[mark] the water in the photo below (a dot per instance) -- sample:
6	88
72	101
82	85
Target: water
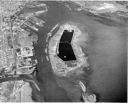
106	51
49	88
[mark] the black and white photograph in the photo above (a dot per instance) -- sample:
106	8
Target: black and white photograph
63	51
